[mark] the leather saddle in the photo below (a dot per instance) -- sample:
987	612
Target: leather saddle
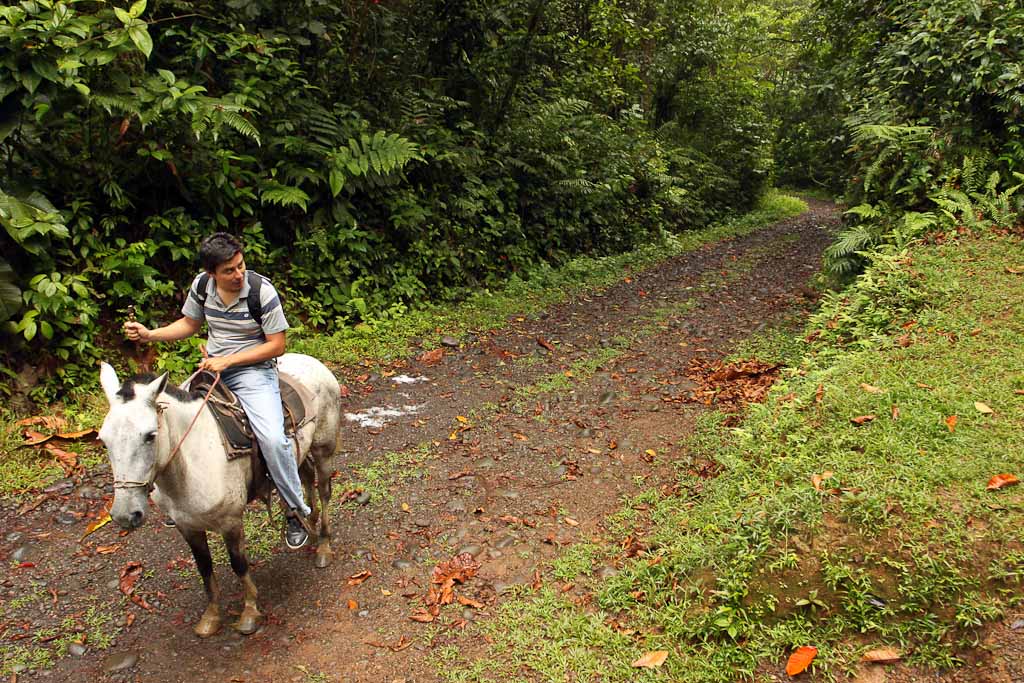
235	430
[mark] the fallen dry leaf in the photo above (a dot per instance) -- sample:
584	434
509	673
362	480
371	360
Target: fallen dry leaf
130	574
446	574
67	460
862	419
103	520
1014	271
651	660
74	436
982	408
107	549
469	602
48	421
801	659
421	615
402	643
882	655
545	343
34	438
895	412
352	604
430	357
817	479
32	504
1001	480
871	389
359	577
951	423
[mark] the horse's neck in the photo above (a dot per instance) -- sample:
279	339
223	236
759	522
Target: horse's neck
188	446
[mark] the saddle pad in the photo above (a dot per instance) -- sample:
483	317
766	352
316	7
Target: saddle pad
235	431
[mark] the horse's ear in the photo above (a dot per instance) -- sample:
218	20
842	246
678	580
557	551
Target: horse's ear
108	380
154	388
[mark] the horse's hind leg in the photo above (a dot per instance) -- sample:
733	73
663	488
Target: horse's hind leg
323	486
209	623
307	473
249	619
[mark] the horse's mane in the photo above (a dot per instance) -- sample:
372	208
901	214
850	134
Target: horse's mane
127	390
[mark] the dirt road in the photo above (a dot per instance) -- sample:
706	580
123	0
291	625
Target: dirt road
511	447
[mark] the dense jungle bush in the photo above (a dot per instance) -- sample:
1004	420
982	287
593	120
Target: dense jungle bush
373	154
926	97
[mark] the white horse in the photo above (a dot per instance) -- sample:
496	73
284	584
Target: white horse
196	485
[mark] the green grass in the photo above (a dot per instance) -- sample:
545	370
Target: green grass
903	545
380	476
94	626
577	561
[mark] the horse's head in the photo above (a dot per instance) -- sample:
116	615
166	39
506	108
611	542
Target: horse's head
130	433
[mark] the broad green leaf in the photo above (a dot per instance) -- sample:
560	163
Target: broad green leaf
337	181
138	8
31	80
125	18
10	294
140	36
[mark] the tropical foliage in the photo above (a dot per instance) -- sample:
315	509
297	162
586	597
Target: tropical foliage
926	97
372	154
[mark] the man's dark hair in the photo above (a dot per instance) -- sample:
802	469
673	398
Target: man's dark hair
216	249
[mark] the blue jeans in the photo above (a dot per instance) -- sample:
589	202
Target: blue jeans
258	392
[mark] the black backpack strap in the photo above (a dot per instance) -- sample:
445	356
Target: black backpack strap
253	301
200	293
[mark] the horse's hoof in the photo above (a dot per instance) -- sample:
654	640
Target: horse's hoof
247	624
323	558
206	627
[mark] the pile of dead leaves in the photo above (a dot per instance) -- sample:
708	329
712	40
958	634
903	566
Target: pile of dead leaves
66	460
729	387
459	569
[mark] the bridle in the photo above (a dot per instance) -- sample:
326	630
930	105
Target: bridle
148	484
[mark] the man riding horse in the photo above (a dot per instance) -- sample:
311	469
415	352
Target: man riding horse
245	339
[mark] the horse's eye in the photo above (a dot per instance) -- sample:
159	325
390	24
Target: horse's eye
150	437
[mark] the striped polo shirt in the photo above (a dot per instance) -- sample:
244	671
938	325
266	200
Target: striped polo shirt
231	328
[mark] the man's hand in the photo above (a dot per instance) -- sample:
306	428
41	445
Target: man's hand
215	363
136	331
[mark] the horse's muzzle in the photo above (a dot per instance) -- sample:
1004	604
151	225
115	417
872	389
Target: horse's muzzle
131	520
129	511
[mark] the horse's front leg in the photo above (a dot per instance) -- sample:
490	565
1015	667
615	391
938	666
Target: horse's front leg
209	623
249	619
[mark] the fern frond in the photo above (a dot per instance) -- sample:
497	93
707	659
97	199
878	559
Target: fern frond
238	123
865	211
116	103
874	132
850	241
284	195
579	186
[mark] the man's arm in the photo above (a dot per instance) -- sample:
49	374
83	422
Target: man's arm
272	348
181	328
